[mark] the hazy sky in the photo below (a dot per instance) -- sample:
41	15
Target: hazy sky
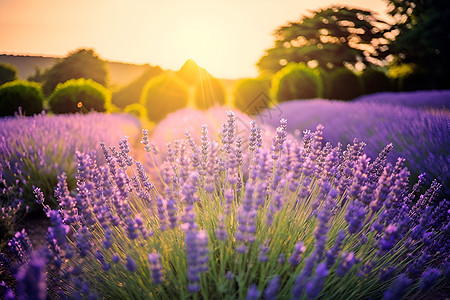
227	37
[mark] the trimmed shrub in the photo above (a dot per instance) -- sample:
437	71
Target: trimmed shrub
325	75
19	93
344	84
164	94
297	81
8	73
80	95
251	95
208	92
413	81
132	92
136	109
374	80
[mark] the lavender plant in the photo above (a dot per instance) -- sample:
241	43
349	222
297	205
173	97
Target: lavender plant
304	219
421	137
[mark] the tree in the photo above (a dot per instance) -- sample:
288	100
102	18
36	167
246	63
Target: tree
330	38
422	39
83	63
131	93
8	73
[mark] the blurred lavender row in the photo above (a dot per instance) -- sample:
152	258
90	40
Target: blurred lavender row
35	150
425	99
421	137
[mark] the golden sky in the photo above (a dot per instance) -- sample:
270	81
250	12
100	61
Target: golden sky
227	37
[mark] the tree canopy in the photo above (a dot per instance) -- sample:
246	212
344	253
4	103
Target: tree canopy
82	63
8	73
330	38
422	38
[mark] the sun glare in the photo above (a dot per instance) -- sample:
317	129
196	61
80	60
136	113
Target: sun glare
208	41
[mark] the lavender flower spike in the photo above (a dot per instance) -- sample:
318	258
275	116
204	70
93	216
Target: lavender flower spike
131	264
253	293
155	267
398	288
272	288
315	285
31	279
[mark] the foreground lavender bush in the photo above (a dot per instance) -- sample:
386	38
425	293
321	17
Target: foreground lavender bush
421	137
35	150
303	220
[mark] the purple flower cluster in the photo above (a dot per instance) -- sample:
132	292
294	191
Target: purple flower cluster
197	257
155	267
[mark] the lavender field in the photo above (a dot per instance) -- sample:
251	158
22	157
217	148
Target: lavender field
316	199
421	136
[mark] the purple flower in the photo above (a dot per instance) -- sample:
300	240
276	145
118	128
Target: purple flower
131	264
272	288
162	212
171	207
221	232
193	287
255	137
99	256
387	274
263	250
299	285
197	254
429	278
296	255
31	278
279	139
20	246
253	293
389	238
131	227
40	199
333	252
5	263
315	285
229	275
83	241
115	258
356	212
246	217
348	260
398	288
155	267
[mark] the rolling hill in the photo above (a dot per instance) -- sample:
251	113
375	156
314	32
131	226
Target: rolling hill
120	73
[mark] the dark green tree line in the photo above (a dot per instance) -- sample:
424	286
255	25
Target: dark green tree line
422	39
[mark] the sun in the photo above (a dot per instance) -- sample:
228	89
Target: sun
207	42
